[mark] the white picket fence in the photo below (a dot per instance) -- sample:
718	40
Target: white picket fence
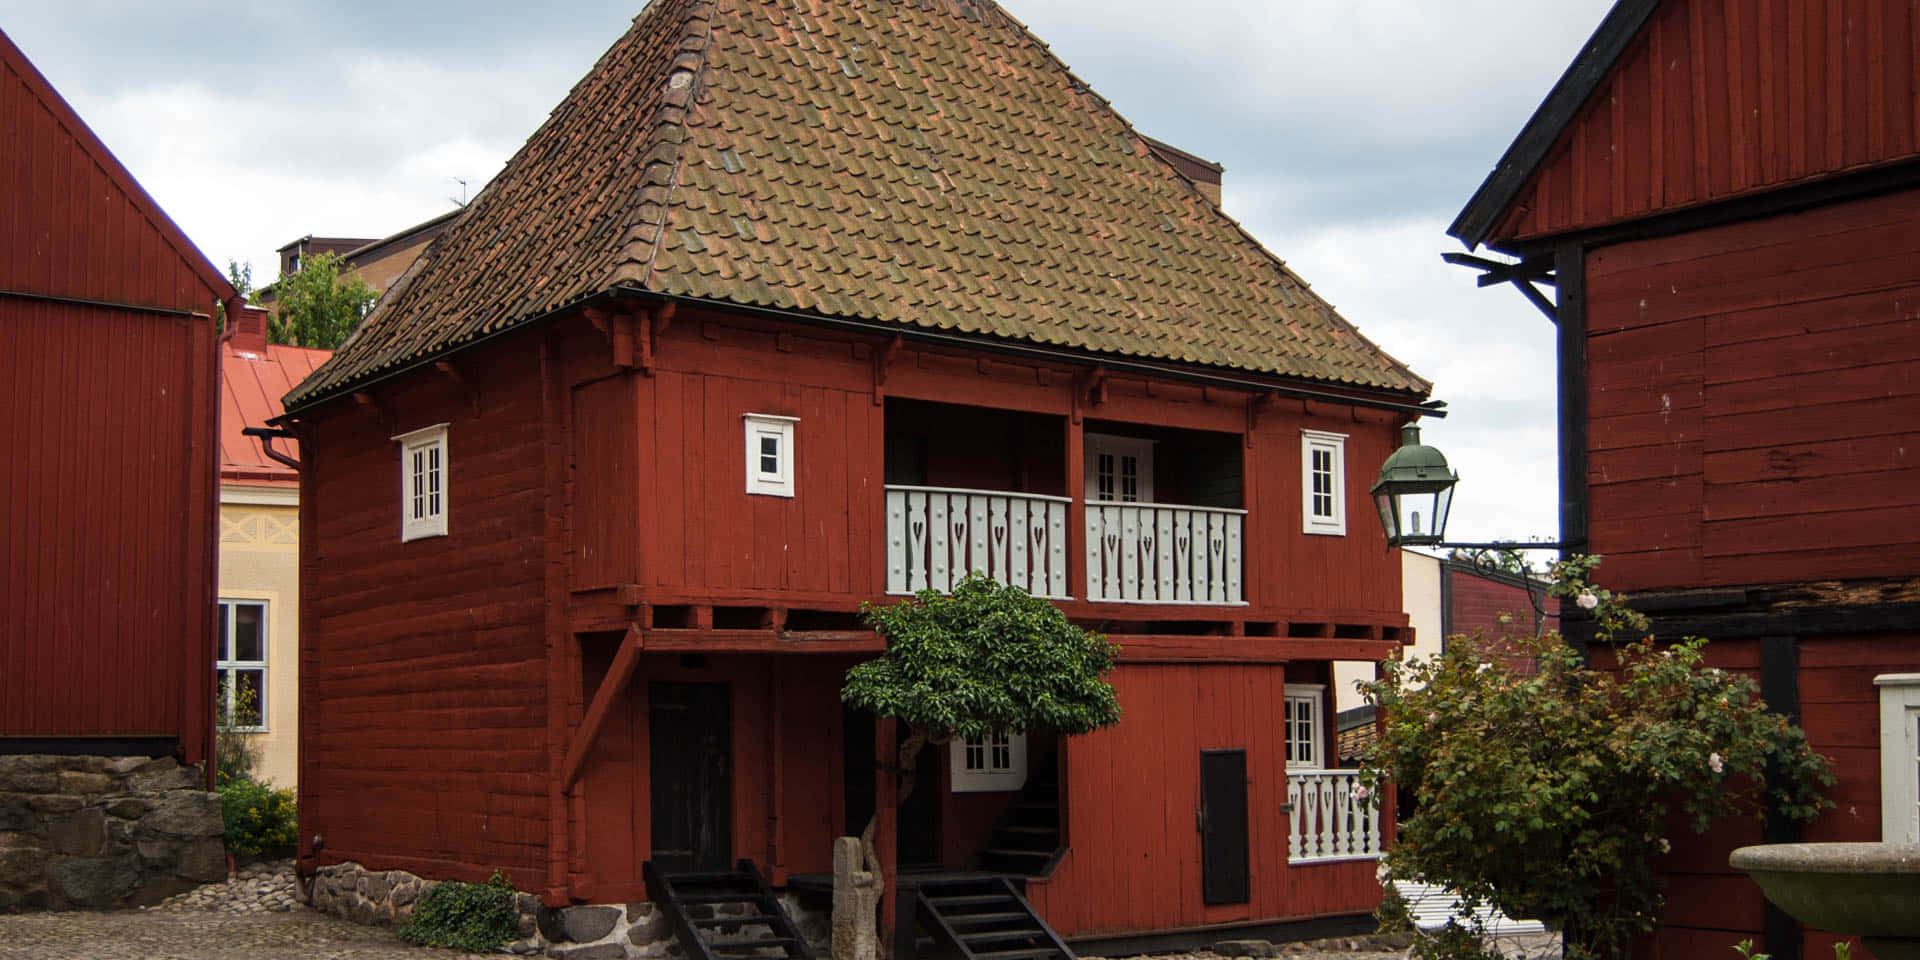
1329	819
1160	553
937	535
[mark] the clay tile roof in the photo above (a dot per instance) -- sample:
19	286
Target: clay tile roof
927	163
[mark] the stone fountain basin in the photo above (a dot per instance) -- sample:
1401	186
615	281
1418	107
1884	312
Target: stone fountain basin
1870	889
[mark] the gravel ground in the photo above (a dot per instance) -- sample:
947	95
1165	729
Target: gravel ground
255	915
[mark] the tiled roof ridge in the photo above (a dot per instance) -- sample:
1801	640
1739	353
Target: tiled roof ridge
670	134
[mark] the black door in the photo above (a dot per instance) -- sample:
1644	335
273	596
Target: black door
1224	871
690	738
919	818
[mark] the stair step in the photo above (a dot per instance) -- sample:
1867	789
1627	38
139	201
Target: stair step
736	918
970	900
756	943
707	876
1004	852
1023	952
981	919
1001	936
711	898
1035	829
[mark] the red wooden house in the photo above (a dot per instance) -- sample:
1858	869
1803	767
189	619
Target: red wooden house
789	309
107	409
1727	197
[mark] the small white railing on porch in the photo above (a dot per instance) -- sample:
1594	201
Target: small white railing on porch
937	535
1158	553
1329	819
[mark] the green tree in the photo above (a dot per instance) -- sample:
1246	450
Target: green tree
986	659
241	276
1551	794
316	307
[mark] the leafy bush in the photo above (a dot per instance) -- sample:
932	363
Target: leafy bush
234	752
1549	794
259	819
475	917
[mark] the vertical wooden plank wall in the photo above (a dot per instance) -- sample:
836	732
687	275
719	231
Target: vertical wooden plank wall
1720	98
1754	389
107	416
1134	863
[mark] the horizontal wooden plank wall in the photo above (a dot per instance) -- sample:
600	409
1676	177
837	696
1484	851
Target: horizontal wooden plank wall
1719	98
1134	862
1753	392
1709	905
425	662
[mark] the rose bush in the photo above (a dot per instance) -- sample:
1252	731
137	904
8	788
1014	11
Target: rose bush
1550	794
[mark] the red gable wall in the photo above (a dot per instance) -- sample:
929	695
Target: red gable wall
107	416
1720	98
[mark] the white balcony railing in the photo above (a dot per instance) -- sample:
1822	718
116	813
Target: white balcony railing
1329	820
936	535
1156	553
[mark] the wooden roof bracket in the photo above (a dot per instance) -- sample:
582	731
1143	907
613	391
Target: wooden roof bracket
1097	386
1523	274
1256	404
452	372
614	685
882	359
384	416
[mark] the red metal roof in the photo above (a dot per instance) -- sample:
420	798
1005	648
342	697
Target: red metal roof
253	377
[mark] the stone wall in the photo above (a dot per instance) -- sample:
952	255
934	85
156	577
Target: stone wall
631	931
98	832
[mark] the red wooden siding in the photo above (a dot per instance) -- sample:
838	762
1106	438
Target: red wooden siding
1133	792
424	663
1479	603
1719	98
1709	905
107	416
1753	392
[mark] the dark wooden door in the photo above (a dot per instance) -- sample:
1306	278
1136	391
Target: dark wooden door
690	736
1225	875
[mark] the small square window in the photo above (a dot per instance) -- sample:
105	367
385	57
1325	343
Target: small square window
770	454
1323	480
423	483
997	762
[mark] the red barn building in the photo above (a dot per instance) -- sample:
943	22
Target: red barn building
107	408
789	309
1727	197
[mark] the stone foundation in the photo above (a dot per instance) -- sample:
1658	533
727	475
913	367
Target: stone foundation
99	832
631	931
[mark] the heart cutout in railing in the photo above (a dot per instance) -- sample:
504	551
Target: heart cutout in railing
959	530
918	529
1181	542
999	534
1039	536
1146	543
1113	541
1219	546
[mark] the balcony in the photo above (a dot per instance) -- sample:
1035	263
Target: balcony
969	489
1329	818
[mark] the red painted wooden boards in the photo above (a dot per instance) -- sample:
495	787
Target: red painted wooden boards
1719	98
107	418
1754	390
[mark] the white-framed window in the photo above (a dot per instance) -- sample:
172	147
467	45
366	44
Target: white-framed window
240	664
770	454
423	482
1119	469
996	762
1306	726
1323	482
1899	757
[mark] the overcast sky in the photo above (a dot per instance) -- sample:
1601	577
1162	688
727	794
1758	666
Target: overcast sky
1352	132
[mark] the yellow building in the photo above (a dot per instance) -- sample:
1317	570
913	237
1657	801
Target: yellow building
258	628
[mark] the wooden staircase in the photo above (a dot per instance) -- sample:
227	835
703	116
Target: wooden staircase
1026	840
981	918
725	914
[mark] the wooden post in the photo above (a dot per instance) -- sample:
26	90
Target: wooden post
1076	510
886	813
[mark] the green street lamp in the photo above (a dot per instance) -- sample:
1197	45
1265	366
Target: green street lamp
1414	492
